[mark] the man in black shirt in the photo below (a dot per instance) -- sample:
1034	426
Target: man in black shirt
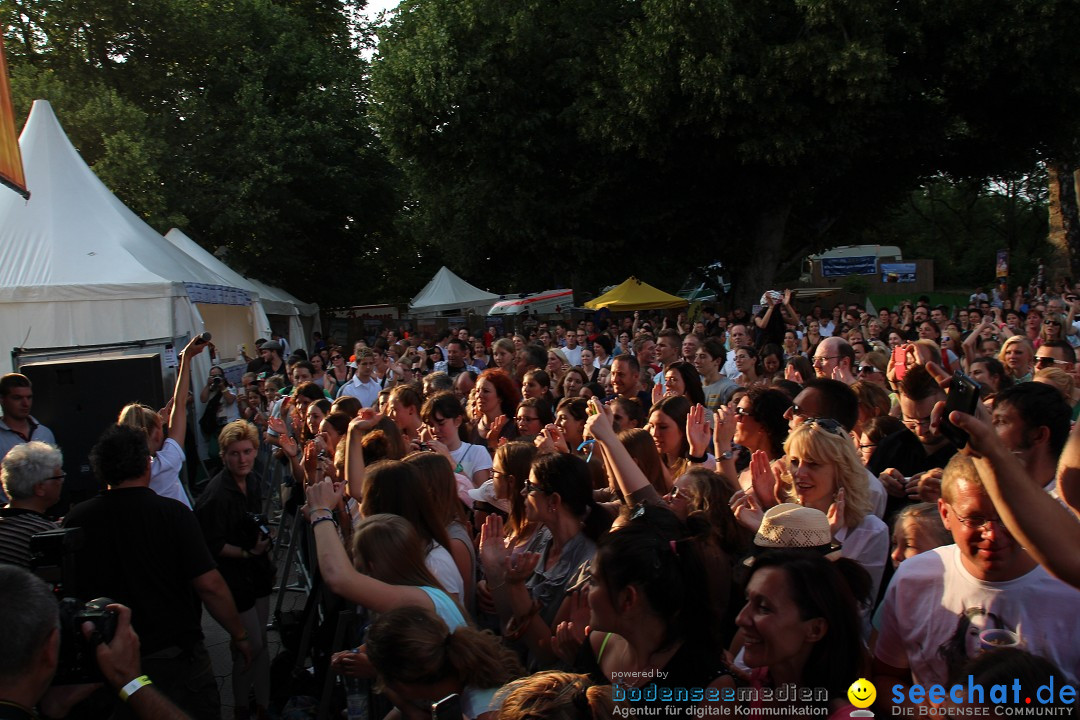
148	552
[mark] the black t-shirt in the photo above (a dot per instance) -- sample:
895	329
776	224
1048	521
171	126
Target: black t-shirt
225	516
144	551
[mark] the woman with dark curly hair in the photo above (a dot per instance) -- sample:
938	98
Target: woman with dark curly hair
760	425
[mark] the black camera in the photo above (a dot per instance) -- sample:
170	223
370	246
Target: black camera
259	524
78	661
216	380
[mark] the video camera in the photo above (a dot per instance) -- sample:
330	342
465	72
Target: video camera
52	558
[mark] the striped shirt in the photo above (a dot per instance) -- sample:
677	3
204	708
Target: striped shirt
16	528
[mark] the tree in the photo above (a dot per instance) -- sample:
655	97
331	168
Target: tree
759	130
246	119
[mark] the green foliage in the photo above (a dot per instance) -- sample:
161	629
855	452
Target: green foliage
663	131
242	122
962	224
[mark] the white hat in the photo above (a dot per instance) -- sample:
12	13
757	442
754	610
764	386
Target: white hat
792	526
486	493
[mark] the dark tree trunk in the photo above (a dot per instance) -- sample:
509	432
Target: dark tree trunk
757	274
1065	215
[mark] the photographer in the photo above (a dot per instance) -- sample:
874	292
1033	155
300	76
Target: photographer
221	408
228	511
29	656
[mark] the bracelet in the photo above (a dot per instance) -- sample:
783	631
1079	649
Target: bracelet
697	460
134	686
323	519
312	510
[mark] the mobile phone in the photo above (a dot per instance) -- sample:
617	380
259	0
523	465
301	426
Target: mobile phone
964	396
899	361
449	708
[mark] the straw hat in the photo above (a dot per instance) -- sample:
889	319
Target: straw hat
792	526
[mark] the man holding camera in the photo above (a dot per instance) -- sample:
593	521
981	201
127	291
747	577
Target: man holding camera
29	656
148	553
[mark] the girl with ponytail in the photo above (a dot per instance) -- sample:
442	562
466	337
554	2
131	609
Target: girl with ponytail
419	660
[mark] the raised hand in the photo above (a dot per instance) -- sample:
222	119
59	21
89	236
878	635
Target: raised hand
836	512
747	509
697	431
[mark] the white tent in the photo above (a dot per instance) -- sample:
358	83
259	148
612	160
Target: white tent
78	268
446	292
191	248
302	318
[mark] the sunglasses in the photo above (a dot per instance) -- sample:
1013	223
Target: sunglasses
336	357
743	412
826	424
1048	362
868	369
531	488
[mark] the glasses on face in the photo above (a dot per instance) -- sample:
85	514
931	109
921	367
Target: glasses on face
826	424
913	423
527	419
822	359
867	370
977	522
336	357
1045	361
742	412
59	477
797	411
868	446
531	488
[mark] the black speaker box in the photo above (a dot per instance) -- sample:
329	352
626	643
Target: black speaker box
79	399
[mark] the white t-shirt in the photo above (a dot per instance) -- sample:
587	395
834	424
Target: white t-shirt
471	459
366	392
441	564
868	545
935	605
573	356
165	472
826	328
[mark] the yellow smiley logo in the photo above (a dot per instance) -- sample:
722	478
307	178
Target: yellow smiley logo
862	693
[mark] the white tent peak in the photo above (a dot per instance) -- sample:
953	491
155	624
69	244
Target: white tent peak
447	291
73	230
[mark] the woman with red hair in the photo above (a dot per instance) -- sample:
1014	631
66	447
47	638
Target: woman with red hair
495	401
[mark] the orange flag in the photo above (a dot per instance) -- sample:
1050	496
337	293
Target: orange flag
11	168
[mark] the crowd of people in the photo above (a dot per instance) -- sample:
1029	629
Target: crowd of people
601	514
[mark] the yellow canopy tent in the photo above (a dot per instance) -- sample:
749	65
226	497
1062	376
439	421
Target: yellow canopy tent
633	294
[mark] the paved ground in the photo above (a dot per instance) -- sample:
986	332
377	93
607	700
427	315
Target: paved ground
217	642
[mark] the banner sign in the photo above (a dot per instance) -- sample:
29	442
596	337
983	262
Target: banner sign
839	267
897	272
11	167
1002	265
217	294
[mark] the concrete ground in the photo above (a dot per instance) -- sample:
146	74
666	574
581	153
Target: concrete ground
217	640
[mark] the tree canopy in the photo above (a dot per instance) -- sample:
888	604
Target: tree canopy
242	122
669	132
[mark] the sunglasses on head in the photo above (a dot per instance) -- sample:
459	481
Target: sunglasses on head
826	424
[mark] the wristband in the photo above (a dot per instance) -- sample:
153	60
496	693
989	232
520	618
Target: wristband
327	518
697	460
134	686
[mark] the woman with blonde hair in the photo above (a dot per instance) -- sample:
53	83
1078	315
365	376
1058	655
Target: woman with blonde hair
555	695
167	449
1018	357
226	511
420	659
1062	382
823	471
503	354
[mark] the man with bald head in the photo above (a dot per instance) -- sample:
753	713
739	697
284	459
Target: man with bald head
835	359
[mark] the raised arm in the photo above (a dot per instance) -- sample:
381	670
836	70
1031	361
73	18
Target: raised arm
178	413
337	570
1042	525
632	482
